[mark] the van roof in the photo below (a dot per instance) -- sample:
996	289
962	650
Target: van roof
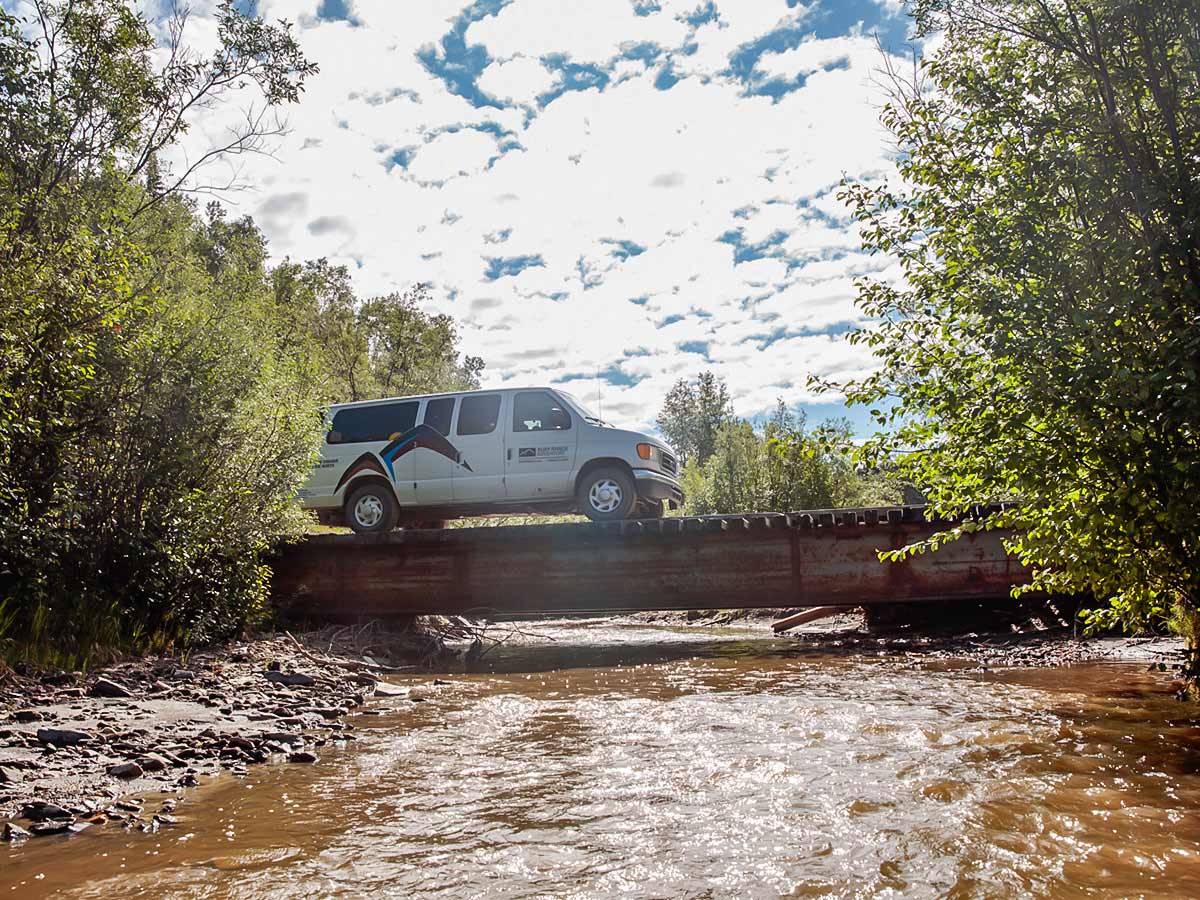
506	390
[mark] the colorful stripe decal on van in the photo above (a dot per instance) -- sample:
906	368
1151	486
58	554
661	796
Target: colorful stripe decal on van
421	436
365	463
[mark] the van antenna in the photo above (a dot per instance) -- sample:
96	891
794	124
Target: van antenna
599	398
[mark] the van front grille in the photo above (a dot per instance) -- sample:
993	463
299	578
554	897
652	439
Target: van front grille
668	463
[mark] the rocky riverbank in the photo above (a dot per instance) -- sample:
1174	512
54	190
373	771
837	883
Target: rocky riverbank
81	749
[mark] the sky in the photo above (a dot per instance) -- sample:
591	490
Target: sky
606	195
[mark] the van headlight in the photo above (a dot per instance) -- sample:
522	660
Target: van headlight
647	451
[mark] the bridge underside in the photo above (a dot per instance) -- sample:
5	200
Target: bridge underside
824	558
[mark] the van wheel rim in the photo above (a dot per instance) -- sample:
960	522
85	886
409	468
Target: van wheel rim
368	511
605	495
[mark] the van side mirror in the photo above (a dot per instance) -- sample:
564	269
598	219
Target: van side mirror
560	420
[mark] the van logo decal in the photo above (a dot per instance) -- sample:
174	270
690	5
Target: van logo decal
421	436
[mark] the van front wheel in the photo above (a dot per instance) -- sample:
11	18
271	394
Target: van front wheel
371	509
607	494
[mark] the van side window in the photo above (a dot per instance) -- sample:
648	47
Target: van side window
478	415
438	414
359	424
539	411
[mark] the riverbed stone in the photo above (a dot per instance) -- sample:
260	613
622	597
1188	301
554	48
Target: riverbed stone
27	715
152	762
13	832
291	679
126	771
53	826
62	737
302	756
105	687
41	810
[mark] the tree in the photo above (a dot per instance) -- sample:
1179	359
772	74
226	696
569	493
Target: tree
152	428
692	413
1044	344
383	347
781	468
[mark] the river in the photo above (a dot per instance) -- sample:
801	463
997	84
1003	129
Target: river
658	762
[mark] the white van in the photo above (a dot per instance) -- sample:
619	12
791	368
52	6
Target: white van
440	456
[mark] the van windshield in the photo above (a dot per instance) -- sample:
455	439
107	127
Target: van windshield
581	408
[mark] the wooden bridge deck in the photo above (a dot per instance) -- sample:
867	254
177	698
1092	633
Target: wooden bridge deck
821	558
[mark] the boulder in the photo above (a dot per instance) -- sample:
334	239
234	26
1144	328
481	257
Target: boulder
106	688
126	771
62	737
292	679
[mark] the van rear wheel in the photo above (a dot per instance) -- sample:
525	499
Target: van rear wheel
607	494
371	509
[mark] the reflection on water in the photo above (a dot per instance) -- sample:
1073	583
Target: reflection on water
697	768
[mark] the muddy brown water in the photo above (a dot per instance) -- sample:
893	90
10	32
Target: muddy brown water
646	762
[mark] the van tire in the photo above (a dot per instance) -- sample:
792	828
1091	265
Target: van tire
371	509
607	494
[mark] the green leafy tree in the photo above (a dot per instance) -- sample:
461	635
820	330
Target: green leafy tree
383	347
1044	344
781	468
152	427
692	413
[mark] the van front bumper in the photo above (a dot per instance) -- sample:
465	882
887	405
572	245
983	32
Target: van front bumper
653	485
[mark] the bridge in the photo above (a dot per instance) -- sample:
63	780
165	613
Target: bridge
760	560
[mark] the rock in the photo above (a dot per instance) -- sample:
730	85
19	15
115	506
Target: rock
127	771
188	780
13	833
20	764
62	737
27	715
282	737
327	712
58	826
302	756
152	762
164	819
159	687
7	778
292	679
183	675
60	678
40	811
106	688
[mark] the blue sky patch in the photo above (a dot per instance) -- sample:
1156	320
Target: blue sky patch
704	13
459	65
771	245
623	249
336	11
402	157
572	76
501	266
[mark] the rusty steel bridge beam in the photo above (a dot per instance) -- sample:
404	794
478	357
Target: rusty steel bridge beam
820	558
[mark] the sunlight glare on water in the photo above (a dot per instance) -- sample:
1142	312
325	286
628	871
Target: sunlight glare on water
699	769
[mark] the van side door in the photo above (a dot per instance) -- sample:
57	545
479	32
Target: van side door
479	438
542	440
434	457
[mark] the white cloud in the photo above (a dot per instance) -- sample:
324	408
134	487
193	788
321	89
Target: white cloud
702	215
520	79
